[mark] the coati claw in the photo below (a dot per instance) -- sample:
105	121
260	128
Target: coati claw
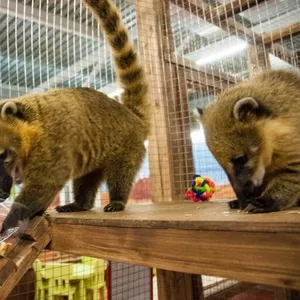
18	213
234	204
114	206
71	207
250	208
261	205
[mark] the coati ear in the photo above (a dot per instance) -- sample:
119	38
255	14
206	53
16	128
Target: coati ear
9	109
198	114
244	108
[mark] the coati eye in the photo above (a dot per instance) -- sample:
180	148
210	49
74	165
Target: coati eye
4	155
240	160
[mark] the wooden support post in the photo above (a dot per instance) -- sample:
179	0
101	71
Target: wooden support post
170	149
179	286
258	59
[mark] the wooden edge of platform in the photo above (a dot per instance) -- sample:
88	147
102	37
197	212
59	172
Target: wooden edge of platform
23	253
263	258
214	216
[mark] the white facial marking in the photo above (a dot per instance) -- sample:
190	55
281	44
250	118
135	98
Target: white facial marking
259	174
254	149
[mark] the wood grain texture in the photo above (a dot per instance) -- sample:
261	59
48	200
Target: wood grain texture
150	18
228	10
261	249
220	16
281	33
179	286
212	215
23	254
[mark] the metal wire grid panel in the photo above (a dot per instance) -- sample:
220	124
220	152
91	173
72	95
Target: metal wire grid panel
191	49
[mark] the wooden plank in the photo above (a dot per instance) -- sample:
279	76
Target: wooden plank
180	138
179	286
170	149
187	215
211	16
258	59
199	74
283	53
150	51
23	254
281	33
7	267
271	258
177	105
228	10
171	162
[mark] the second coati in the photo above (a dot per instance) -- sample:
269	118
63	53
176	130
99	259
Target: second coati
79	134
253	131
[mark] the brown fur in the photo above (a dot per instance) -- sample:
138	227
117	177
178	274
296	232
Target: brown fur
261	133
79	134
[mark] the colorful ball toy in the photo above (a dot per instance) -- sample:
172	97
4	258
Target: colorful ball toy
202	189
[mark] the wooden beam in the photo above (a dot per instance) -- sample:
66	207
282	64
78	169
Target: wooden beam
283	53
281	33
150	52
190	238
258	59
190	287
221	17
228	10
21	257
170	149
219	13
212	16
201	75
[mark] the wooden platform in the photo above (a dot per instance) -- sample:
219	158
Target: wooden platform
22	255
205	238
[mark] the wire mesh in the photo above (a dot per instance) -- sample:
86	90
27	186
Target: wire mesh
191	50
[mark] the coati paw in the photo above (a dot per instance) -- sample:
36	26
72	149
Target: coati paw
71	207
114	206
17	215
262	205
234	204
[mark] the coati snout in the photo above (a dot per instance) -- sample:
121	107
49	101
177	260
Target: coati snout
253	131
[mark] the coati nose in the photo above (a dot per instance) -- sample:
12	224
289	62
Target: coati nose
248	189
245	191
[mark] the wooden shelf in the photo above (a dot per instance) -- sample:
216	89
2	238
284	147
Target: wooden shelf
22	255
196	238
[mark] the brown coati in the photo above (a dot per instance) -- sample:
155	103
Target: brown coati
253	131
79	134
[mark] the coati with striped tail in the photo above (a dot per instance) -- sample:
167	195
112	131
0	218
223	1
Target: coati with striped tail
253	131
79	134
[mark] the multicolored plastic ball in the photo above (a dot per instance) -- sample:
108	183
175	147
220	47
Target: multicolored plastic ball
202	189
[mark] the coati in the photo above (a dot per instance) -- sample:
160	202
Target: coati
253	131
79	134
